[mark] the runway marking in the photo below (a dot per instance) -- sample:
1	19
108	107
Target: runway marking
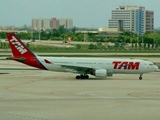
144	94
9	87
31	81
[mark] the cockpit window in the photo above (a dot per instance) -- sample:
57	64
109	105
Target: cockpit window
151	64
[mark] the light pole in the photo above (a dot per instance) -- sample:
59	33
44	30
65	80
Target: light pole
84	37
154	42
142	42
137	41
39	37
64	40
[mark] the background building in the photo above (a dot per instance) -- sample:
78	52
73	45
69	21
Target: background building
132	18
53	23
149	21
68	23
46	23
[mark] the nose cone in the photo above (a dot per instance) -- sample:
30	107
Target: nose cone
156	68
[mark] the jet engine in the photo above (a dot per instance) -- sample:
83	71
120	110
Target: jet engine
101	73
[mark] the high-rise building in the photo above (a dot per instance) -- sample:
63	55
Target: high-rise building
149	21
34	23
46	23
37	23
62	22
135	19
68	23
53	23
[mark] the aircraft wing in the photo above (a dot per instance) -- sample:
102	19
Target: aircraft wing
82	69
77	68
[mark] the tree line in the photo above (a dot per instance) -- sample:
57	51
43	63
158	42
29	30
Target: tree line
147	40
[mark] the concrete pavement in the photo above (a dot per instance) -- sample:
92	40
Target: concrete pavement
43	95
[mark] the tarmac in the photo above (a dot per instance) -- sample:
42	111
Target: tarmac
30	94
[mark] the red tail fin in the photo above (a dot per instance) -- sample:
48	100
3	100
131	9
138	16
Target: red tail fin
17	46
21	53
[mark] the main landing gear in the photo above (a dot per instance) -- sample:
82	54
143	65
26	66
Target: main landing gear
140	77
82	76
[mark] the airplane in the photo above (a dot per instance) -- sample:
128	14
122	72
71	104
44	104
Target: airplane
98	67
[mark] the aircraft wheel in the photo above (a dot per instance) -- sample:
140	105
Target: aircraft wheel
82	77
86	76
77	77
140	78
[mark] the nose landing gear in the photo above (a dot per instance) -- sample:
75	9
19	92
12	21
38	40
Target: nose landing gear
140	77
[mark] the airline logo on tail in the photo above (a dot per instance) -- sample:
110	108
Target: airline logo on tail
18	45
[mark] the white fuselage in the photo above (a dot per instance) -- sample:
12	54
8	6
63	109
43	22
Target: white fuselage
112	65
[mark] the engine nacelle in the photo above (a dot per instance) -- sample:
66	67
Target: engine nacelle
102	73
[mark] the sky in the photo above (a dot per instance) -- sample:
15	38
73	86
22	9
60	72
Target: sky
85	13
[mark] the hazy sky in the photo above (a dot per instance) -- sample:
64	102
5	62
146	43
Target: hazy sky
85	13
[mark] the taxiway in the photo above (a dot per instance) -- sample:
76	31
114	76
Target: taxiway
30	94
